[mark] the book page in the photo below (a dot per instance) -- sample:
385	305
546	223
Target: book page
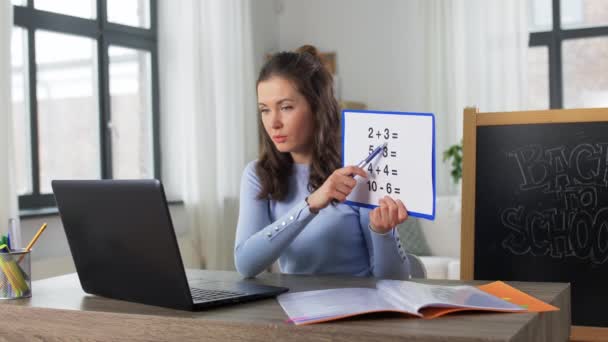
324	305
416	295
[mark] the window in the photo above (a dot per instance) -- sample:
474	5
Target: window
568	56
85	93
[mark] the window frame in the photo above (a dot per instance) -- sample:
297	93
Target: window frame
105	34
553	39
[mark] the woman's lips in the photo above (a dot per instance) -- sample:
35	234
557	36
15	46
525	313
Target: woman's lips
279	138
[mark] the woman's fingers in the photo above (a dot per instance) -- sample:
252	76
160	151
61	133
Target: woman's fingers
343	185
385	212
351	171
392	211
337	187
402	216
346	180
373	217
341	192
343	188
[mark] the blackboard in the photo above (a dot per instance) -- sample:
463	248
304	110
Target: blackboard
540	207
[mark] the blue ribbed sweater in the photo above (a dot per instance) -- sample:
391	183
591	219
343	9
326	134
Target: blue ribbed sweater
337	240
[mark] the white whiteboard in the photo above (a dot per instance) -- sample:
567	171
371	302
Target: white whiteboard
406	168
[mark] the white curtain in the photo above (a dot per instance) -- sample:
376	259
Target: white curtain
477	57
8	196
209	115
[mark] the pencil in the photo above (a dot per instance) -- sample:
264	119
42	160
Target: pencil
33	241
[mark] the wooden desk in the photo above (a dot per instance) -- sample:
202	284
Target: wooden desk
59	310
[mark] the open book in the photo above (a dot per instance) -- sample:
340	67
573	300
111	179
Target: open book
415	299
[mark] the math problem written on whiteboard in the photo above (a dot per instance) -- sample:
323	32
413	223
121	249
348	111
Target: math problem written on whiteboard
405	169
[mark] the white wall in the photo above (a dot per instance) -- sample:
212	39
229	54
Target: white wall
265	30
381	55
377	43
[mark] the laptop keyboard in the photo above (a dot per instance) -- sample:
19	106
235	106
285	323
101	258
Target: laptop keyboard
203	295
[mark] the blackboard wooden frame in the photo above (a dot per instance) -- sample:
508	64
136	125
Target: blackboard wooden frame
474	119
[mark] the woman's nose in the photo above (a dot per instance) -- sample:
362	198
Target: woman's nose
276	120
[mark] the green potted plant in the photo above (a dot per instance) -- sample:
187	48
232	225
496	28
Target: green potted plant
454	154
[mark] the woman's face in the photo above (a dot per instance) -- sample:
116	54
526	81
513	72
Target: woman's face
287	117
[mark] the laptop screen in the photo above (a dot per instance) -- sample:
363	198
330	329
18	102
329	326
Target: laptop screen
122	240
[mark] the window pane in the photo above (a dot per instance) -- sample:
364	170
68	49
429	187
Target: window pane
18	2
583	13
540	15
129	12
585	64
68	114
130	91
76	8
20	111
538	77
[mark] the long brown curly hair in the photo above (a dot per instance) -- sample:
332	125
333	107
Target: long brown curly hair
305	69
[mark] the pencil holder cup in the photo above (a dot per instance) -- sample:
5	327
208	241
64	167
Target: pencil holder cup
15	280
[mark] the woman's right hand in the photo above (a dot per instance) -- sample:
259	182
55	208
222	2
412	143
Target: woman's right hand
336	187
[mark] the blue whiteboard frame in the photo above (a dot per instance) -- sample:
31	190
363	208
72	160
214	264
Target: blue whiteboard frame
365	205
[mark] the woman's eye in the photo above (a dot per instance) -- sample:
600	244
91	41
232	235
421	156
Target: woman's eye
287	108
264	110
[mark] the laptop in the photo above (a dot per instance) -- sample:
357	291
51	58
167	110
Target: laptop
124	247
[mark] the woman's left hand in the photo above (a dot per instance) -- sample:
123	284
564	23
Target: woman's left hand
389	214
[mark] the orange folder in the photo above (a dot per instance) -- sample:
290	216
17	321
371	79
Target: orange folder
500	290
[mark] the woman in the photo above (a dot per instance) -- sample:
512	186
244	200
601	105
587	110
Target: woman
290	206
